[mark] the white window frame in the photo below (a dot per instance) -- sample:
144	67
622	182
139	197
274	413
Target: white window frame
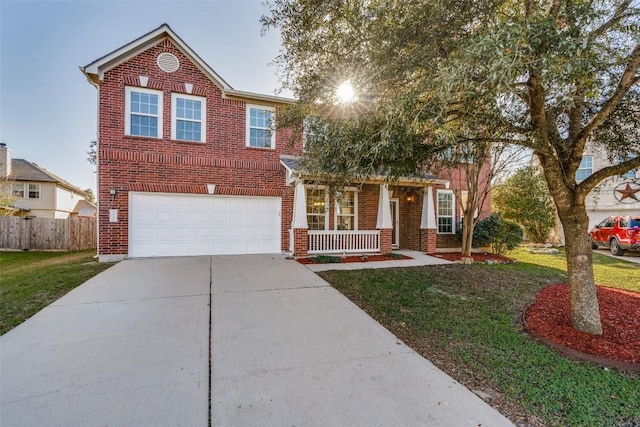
590	169
23	191
631	174
38	190
355	209
127	110
202	121
326	204
453	211
270	128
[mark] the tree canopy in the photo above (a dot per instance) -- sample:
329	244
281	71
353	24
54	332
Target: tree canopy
548	75
525	199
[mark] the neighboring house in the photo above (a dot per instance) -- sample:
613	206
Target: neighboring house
618	195
40	193
615	196
187	165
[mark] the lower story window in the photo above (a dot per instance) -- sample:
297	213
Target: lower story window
445	212
346	211
316	208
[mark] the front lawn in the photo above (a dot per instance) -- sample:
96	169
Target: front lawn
468	321
29	281
608	271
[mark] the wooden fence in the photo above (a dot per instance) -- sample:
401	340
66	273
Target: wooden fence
47	233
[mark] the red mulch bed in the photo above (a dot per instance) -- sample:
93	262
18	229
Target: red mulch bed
549	318
477	257
359	258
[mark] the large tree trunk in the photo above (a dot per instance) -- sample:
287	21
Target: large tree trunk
585	313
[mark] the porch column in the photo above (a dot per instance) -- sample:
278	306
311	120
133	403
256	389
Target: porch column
299	241
384	224
428	227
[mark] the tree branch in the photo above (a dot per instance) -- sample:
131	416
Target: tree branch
594	179
615	18
628	79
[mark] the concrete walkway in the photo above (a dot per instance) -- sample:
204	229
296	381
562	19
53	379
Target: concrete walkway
417	259
131	348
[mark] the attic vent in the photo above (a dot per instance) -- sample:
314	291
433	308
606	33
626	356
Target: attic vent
168	62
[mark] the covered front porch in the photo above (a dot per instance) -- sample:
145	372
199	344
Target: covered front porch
364	217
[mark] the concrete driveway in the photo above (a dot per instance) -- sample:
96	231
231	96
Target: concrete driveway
629	256
132	346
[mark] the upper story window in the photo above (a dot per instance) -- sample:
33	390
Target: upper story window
17	189
446	216
346	208
23	190
313	130
34	191
629	174
585	169
260	131
188	117
459	154
143	112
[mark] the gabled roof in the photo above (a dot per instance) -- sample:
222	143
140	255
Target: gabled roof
84	208
23	170
95	70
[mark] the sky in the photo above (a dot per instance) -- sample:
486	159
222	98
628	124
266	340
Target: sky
48	109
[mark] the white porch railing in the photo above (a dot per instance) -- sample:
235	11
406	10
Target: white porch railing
343	241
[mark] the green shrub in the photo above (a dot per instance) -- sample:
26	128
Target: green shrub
507	238
502	235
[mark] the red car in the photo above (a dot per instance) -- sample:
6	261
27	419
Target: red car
618	233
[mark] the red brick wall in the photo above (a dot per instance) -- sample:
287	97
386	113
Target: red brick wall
368	207
410	216
458	181
129	163
428	240
301	242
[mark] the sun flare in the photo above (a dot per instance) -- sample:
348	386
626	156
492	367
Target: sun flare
345	93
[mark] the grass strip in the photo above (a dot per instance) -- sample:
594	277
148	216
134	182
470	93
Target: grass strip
29	281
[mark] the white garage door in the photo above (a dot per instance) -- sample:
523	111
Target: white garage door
188	224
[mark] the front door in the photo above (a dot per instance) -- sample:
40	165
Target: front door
395	235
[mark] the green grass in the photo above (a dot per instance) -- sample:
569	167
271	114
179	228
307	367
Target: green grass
608	271
29	281
468	321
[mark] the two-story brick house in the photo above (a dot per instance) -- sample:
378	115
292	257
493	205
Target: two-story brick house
187	165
